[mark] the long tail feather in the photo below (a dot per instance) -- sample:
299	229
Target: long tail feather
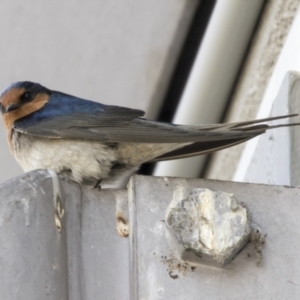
246	133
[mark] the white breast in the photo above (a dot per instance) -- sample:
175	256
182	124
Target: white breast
86	159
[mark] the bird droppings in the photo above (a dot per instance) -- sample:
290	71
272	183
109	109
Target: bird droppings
57	199
175	265
258	240
25	203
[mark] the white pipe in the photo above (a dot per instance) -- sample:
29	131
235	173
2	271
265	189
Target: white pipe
213	74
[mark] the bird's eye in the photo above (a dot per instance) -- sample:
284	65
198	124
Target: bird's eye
26	97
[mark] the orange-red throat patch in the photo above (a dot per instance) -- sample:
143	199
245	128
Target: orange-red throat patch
13	97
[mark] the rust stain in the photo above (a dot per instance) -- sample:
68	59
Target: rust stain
122	225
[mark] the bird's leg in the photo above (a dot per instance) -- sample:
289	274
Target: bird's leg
97	185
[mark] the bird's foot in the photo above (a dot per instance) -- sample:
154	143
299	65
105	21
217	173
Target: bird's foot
98	185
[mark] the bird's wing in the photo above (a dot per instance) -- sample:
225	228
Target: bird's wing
69	117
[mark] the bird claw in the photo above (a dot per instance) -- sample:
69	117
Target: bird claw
98	185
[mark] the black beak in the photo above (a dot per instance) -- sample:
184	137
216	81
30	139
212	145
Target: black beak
11	107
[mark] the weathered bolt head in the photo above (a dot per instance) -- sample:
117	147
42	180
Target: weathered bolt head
210	227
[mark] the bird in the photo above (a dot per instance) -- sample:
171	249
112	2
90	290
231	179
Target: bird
97	144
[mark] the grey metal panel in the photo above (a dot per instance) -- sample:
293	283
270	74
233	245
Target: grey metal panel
105	270
87	260
33	255
158	274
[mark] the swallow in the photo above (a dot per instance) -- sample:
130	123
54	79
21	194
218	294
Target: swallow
94	143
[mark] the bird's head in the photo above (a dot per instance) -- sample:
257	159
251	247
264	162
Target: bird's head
22	99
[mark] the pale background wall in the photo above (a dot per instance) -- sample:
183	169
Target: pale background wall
116	52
